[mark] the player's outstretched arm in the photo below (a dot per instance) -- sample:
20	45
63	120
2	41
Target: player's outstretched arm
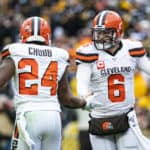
7	70
65	95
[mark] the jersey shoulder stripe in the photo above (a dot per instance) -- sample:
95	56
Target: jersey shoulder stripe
86	53
135	48
7	50
86	57
137	52
5	53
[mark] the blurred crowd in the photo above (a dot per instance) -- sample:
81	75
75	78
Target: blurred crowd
70	22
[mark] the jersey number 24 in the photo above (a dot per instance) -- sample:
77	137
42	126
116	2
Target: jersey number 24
49	78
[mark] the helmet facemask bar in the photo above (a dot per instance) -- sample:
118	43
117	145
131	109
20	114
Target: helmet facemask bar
103	38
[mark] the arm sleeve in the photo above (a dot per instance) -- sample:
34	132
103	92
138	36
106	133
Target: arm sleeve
83	79
144	64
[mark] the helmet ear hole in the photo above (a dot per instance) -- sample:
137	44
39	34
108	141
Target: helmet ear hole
35	29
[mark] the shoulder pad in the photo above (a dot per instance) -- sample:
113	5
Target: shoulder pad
136	49
61	53
86	53
11	49
5	51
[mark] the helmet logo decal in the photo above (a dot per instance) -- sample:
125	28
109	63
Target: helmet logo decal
27	29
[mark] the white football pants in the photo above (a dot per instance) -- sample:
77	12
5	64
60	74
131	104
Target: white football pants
41	128
122	141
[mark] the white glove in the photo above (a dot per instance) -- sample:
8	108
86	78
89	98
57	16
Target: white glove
89	105
21	122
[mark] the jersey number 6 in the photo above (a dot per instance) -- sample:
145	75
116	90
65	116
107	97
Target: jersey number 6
116	88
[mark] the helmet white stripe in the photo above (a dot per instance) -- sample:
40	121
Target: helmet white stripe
36	26
101	18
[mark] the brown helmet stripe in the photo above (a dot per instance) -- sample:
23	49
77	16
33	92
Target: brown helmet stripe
32	24
39	22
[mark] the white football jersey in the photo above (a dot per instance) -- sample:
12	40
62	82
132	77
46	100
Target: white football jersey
38	71
111	76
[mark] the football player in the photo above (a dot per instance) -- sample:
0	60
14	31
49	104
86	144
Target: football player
106	69
40	80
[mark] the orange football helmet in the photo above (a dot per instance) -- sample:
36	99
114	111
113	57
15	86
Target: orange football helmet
35	29
107	29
